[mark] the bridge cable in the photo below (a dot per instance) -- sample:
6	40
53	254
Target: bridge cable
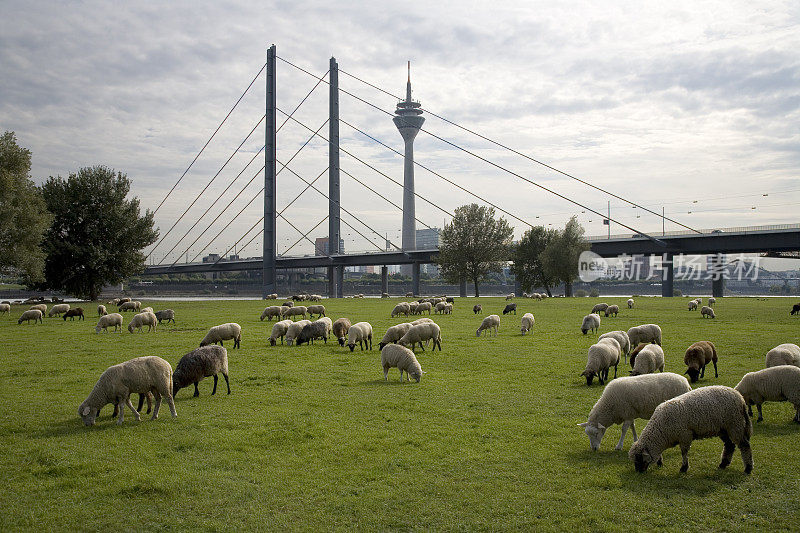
209	140
501	145
382	196
305	236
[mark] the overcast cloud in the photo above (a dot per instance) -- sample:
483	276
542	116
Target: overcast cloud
689	106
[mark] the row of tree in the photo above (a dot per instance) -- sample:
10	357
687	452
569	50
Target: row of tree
475	244
74	235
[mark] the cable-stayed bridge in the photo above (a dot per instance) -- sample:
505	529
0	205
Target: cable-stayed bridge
774	240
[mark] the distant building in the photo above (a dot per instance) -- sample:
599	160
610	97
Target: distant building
428	239
211	258
321	246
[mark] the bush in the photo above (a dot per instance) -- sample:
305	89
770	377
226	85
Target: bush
594	293
677	292
580	293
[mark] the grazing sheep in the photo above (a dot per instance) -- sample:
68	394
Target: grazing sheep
527	323
774	384
143	319
714	411
101	310
409	295
40	307
450	300
271	311
448	309
315	330
298	297
412	307
147	310
795	309
122	300
115	301
165	314
490	322
698	355
590	322
287	303
510	296
440	307
612	310
424	320
477	308
57	310
712	301
106	321
318	310
424	306
279	329
295	311
384	295
400	357
31	314
5	308
224	332
198	364
394	334
403	308
294	329
140	375
340	328
361	333
601	357
622	338
783	354
315	298
509	308
273	296
692	305
645	333
72	313
630	303
628	398
420	333
706	311
646	359
599	307
129	306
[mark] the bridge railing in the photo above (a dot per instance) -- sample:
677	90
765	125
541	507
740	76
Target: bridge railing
735	229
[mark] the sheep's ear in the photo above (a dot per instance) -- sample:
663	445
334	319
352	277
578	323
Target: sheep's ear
601	427
85	411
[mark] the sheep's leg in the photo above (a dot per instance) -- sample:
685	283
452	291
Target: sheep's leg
228	383
615	369
702	371
747	455
727	450
214	391
685	454
716	374
633	430
750	409
196	391
158	404
760	417
385	373
625	426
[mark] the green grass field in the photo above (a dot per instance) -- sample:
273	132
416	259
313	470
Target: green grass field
313	438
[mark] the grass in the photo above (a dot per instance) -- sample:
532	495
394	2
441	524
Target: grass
313	438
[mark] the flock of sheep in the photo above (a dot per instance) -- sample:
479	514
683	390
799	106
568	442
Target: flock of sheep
677	414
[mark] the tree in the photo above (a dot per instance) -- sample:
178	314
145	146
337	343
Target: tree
23	214
560	258
473	245
529	267
97	234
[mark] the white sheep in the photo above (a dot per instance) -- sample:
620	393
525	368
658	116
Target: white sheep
714	411
706	311
490	322
223	332
412	307
644	333
403	308
294	329
297	310
316	310
40	307
601	357
527	323
147	310
448	308
5	308
628	398
129	306
646	359
400	357
31	314
58	310
774	384
599	307
279	330
424	306
273	296
630	303
590	322
271	311
420	333
612	310
106	321
394	334
361	333
146	318
692	305
622	338
118	382
440	307
340	328
424	320
101	310
712	301
510	296
783	354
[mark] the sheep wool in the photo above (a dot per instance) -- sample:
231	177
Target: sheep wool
646	359
57	310
198	364
527	323
31	314
140	375
612	310
627	398
714	411
420	333
167	315
644	333
491	322
601	357
591	323
706	311
40	307
361	333
101	310
146	318
340	328
630	303
316	310
106	321
294	329
773	384
403	308
394	334
622	338
698	355
270	312
5	308
599	307
400	357
279	330
223	332
477	308
783	354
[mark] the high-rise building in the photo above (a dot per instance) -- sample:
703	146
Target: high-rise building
428	239
321	246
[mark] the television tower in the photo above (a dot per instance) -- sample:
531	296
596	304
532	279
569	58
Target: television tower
408	120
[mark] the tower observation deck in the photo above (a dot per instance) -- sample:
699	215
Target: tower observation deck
408	120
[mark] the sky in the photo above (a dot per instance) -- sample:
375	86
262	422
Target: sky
690	107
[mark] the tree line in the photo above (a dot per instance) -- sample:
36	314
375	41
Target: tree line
74	234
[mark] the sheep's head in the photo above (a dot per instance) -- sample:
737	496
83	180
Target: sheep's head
589	376
271	341
595	434
641	456
693	373
87	414
381	345
341	341
130	327
352	346
98	329
584	330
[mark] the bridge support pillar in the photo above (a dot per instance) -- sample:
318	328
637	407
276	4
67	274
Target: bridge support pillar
332	282
339	281
270	210
462	289
385	279
415	278
667	275
717	275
